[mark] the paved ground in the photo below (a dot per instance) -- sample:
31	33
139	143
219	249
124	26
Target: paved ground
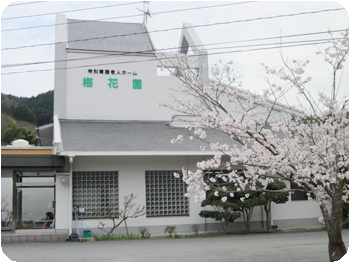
294	246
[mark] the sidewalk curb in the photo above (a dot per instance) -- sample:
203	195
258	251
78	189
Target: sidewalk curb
252	231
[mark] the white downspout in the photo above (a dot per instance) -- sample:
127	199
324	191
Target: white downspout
70	208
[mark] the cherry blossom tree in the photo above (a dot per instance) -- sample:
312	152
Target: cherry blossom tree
307	145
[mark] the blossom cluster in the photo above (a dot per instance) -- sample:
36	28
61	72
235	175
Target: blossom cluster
309	151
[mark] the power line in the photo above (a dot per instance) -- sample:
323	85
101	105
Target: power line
129	16
178	28
175	48
75	22
26	3
154	59
69	11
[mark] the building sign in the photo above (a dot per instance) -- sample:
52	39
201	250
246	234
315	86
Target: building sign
111	72
113	83
137	84
87	82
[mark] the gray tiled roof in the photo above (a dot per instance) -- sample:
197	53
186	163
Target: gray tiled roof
108	36
129	136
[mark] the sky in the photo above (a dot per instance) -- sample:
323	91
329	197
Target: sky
239	26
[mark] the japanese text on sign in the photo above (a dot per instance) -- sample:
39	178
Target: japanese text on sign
113	83
111	72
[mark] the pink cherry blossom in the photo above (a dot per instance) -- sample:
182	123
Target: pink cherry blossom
306	145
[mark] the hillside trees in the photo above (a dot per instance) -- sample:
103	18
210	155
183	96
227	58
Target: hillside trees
38	110
43	116
23	113
29	112
312	154
13	132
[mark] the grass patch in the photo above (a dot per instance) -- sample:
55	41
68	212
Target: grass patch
103	237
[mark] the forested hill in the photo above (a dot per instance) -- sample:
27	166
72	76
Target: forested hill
37	110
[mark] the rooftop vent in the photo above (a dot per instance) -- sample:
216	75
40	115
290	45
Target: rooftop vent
20	143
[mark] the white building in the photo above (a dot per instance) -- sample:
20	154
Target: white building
111	139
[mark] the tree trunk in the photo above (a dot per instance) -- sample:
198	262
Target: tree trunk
336	246
224	225
246	218
267	209
126	227
113	227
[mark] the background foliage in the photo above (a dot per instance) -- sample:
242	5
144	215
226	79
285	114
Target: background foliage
27	113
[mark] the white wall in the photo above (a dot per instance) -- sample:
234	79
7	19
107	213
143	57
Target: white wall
295	210
61	38
62	204
132	180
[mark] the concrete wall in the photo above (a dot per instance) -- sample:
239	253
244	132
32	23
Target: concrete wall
62	205
102	102
132	180
61	38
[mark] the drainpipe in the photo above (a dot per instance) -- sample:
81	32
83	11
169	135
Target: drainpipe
70	211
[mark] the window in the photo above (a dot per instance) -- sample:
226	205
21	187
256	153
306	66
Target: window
297	195
95	190
34	202
165	194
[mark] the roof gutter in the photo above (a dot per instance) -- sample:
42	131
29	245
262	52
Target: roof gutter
138	153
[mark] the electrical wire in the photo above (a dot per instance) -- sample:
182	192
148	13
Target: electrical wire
176	48
175	56
129	16
178	28
26	3
69	11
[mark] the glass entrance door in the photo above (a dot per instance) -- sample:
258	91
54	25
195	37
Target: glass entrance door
35	202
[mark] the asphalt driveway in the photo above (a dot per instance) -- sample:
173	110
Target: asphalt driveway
292	247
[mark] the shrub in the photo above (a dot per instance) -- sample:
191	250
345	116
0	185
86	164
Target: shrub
195	228
170	230
144	232
104	237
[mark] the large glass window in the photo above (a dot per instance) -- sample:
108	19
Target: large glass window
35	202
165	194
37	208
95	191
